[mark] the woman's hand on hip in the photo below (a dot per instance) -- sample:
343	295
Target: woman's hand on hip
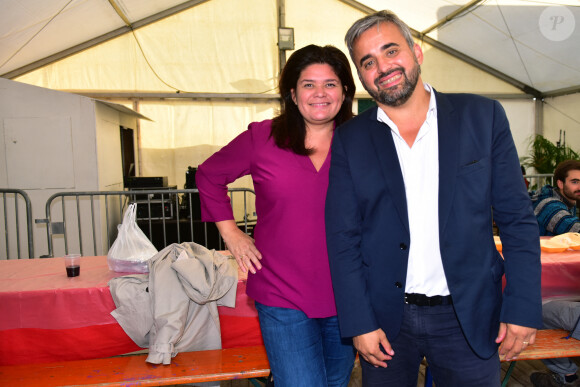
241	246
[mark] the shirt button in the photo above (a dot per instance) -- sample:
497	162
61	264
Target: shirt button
398	284
403	246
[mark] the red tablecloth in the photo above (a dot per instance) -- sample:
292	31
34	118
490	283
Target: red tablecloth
46	316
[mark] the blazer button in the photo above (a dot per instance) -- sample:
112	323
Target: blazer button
398	284
403	246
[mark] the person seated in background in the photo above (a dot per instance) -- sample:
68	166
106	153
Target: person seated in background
555	207
560	315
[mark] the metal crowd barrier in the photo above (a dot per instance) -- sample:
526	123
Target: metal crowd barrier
12	218
86	222
165	216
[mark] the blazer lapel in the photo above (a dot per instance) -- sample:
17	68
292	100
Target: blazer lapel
448	127
389	162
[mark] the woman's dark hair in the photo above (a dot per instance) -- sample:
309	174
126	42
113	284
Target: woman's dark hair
562	169
288	128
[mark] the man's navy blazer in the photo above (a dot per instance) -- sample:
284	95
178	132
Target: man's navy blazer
479	177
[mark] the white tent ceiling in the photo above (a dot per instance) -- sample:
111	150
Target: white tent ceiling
533	45
203	69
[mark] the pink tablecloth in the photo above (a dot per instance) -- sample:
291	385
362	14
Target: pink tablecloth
561	275
46	316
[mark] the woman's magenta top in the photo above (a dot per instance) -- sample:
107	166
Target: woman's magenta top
290	231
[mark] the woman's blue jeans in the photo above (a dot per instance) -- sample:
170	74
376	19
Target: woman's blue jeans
304	351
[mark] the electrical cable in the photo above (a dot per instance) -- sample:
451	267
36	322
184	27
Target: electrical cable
36	34
177	90
562	113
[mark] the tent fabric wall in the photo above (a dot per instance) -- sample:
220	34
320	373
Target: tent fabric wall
449	74
521	114
191	131
563	114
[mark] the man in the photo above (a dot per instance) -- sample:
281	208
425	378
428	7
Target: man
409	224
555	207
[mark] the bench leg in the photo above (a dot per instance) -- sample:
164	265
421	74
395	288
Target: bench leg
508	374
255	382
265	382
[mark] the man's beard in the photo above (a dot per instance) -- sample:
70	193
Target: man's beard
392	96
573	196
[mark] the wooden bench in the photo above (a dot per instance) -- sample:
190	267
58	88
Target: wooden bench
550	344
132	370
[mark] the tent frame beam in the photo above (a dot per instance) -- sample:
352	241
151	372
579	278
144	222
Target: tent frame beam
479	65
452	15
101	39
448	50
131	95
561	92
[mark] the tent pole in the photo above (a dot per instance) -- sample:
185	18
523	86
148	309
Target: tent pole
539	116
138	167
281	5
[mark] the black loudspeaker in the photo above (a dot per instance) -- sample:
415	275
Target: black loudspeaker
145	182
192	208
159	209
190	178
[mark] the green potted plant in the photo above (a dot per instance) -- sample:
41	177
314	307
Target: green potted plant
544	155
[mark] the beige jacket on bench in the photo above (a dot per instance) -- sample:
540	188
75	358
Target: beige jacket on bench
174	308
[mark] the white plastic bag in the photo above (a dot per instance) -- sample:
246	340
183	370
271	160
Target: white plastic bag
132	249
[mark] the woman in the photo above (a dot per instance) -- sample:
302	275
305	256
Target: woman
289	159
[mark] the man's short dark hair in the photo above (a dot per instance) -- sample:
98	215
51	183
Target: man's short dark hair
562	169
372	20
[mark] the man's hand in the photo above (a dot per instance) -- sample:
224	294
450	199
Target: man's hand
514	339
368	347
